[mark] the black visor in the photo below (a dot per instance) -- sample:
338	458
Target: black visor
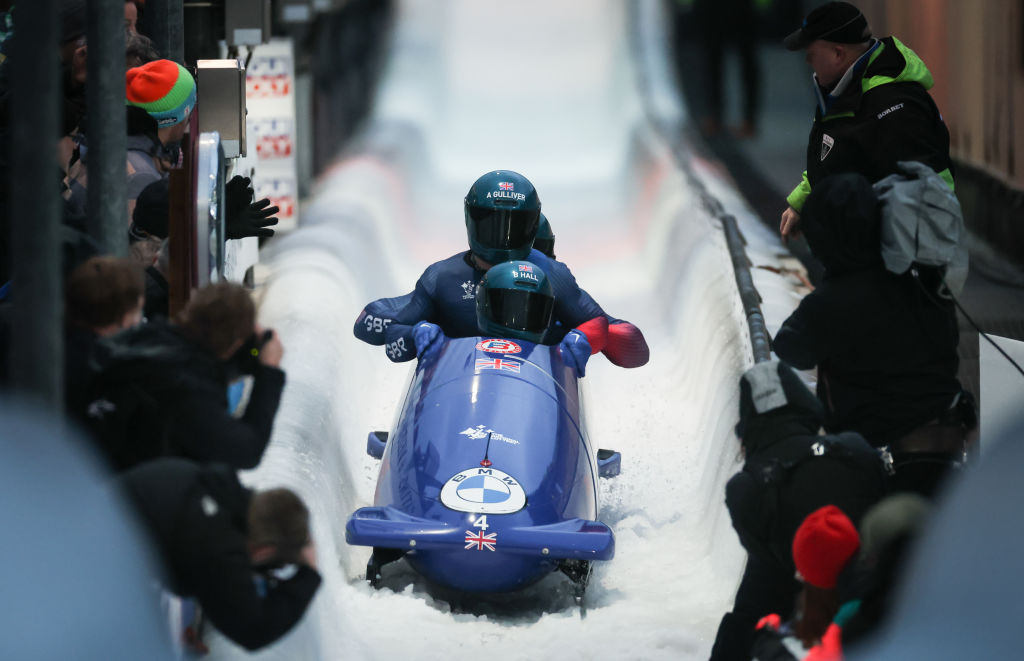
520	310
504	228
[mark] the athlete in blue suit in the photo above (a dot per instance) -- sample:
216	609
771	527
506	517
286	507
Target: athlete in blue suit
502	212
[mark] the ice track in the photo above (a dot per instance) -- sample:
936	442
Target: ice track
552	90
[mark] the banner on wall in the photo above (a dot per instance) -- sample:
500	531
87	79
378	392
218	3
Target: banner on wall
270	129
270	145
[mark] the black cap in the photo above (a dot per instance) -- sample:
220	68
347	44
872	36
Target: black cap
839	22
151	211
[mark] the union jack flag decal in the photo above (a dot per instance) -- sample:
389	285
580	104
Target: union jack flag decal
526	267
481	541
505	185
497	364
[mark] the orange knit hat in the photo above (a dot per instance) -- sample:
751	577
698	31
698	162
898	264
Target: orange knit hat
164	89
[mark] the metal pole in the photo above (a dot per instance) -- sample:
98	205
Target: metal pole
166	20
37	351
105	129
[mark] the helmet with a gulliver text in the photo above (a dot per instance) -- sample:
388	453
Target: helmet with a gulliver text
502	215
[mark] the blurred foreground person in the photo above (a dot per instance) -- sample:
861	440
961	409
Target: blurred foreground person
885	345
215	537
789	472
103	296
888	535
78	584
960	598
162	387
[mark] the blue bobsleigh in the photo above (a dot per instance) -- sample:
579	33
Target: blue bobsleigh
488	481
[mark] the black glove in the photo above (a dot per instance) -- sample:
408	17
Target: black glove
242	216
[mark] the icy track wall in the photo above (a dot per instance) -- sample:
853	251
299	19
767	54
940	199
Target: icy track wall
636	236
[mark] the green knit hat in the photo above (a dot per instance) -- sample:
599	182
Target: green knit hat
164	89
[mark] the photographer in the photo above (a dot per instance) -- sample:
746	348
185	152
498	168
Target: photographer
215	537
162	387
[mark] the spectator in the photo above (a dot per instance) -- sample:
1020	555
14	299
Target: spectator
873	105
215	537
884	344
824	548
81	575
148	227
160	97
148	232
888	534
72	53
103	296
132	11
138	48
147	239
722	23
162	388
789	471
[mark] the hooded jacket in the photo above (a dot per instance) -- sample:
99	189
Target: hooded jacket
184	391
884	344
789	472
884	114
197	517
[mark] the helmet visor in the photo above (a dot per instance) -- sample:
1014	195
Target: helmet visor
520	310
504	228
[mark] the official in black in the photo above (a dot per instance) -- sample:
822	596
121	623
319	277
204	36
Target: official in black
873	105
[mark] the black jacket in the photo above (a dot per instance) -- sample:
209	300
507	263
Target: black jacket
789	472
184	407
882	116
79	343
197	518
885	345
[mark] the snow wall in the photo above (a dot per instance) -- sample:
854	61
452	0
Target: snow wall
579	97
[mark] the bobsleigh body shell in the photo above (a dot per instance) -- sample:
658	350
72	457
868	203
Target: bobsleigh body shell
488	479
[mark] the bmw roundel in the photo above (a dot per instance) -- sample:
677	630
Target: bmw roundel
483	490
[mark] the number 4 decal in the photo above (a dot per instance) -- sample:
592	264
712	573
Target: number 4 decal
481	522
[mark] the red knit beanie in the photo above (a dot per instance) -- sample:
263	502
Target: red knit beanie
822	546
164	89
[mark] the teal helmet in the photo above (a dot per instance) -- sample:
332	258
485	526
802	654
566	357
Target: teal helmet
545	241
515	300
502	214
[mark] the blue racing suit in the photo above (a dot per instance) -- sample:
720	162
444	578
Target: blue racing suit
446	295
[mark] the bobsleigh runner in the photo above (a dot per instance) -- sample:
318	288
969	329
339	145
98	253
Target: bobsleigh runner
488	481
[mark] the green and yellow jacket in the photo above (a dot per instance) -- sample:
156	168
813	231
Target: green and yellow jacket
883	114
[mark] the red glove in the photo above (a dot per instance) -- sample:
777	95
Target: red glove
596	331
626	346
772	621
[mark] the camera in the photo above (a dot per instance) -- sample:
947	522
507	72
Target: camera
247	359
